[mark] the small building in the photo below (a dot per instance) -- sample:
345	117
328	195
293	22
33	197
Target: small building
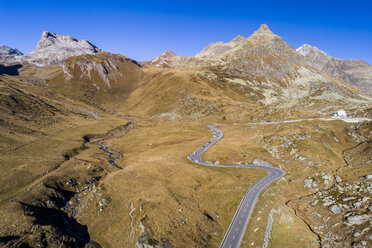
339	113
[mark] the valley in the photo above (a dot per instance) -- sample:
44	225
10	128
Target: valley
99	150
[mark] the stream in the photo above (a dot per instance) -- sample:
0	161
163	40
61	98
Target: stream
70	207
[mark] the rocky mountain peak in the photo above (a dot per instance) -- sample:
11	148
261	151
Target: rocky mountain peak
46	34
262	32
66	42
357	73
169	53
263	54
307	49
5	50
163	59
264	28
8	54
53	49
238	39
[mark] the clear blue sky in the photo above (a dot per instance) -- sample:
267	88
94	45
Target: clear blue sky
143	29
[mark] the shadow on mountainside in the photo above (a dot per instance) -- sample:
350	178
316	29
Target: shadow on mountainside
11	70
56	217
45	216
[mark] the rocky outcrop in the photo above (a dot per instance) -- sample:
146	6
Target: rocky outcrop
265	67
261	162
163	59
357	73
97	78
8	54
53	49
263	54
219	48
358	219
105	67
5	50
266	64
335	209
144	241
309	183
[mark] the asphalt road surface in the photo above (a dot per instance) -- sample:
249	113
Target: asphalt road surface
238	225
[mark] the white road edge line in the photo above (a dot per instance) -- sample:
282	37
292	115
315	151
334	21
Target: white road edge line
278	172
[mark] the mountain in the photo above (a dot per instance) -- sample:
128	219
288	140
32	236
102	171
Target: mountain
53	49
266	69
99	79
9	51
163	59
7	54
357	73
262	54
66	130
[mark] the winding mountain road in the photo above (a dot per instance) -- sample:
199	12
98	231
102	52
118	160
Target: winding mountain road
236	230
238	225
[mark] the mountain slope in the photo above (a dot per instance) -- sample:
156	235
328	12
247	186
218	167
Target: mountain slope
357	73
99	79
67	128
45	117
267	70
263	54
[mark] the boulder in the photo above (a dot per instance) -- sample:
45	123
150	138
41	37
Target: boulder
335	209
358	219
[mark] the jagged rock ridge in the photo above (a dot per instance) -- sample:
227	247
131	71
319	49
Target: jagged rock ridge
262	54
53	49
9	51
163	59
357	73
7	54
273	70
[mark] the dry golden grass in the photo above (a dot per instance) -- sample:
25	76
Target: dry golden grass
47	115
166	192
321	144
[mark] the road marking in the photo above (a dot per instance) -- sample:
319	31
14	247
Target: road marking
250	195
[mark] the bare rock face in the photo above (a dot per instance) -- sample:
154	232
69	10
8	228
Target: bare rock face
357	73
97	78
358	219
219	48
263	54
53	49
264	62
335	209
163	59
5	50
7	54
